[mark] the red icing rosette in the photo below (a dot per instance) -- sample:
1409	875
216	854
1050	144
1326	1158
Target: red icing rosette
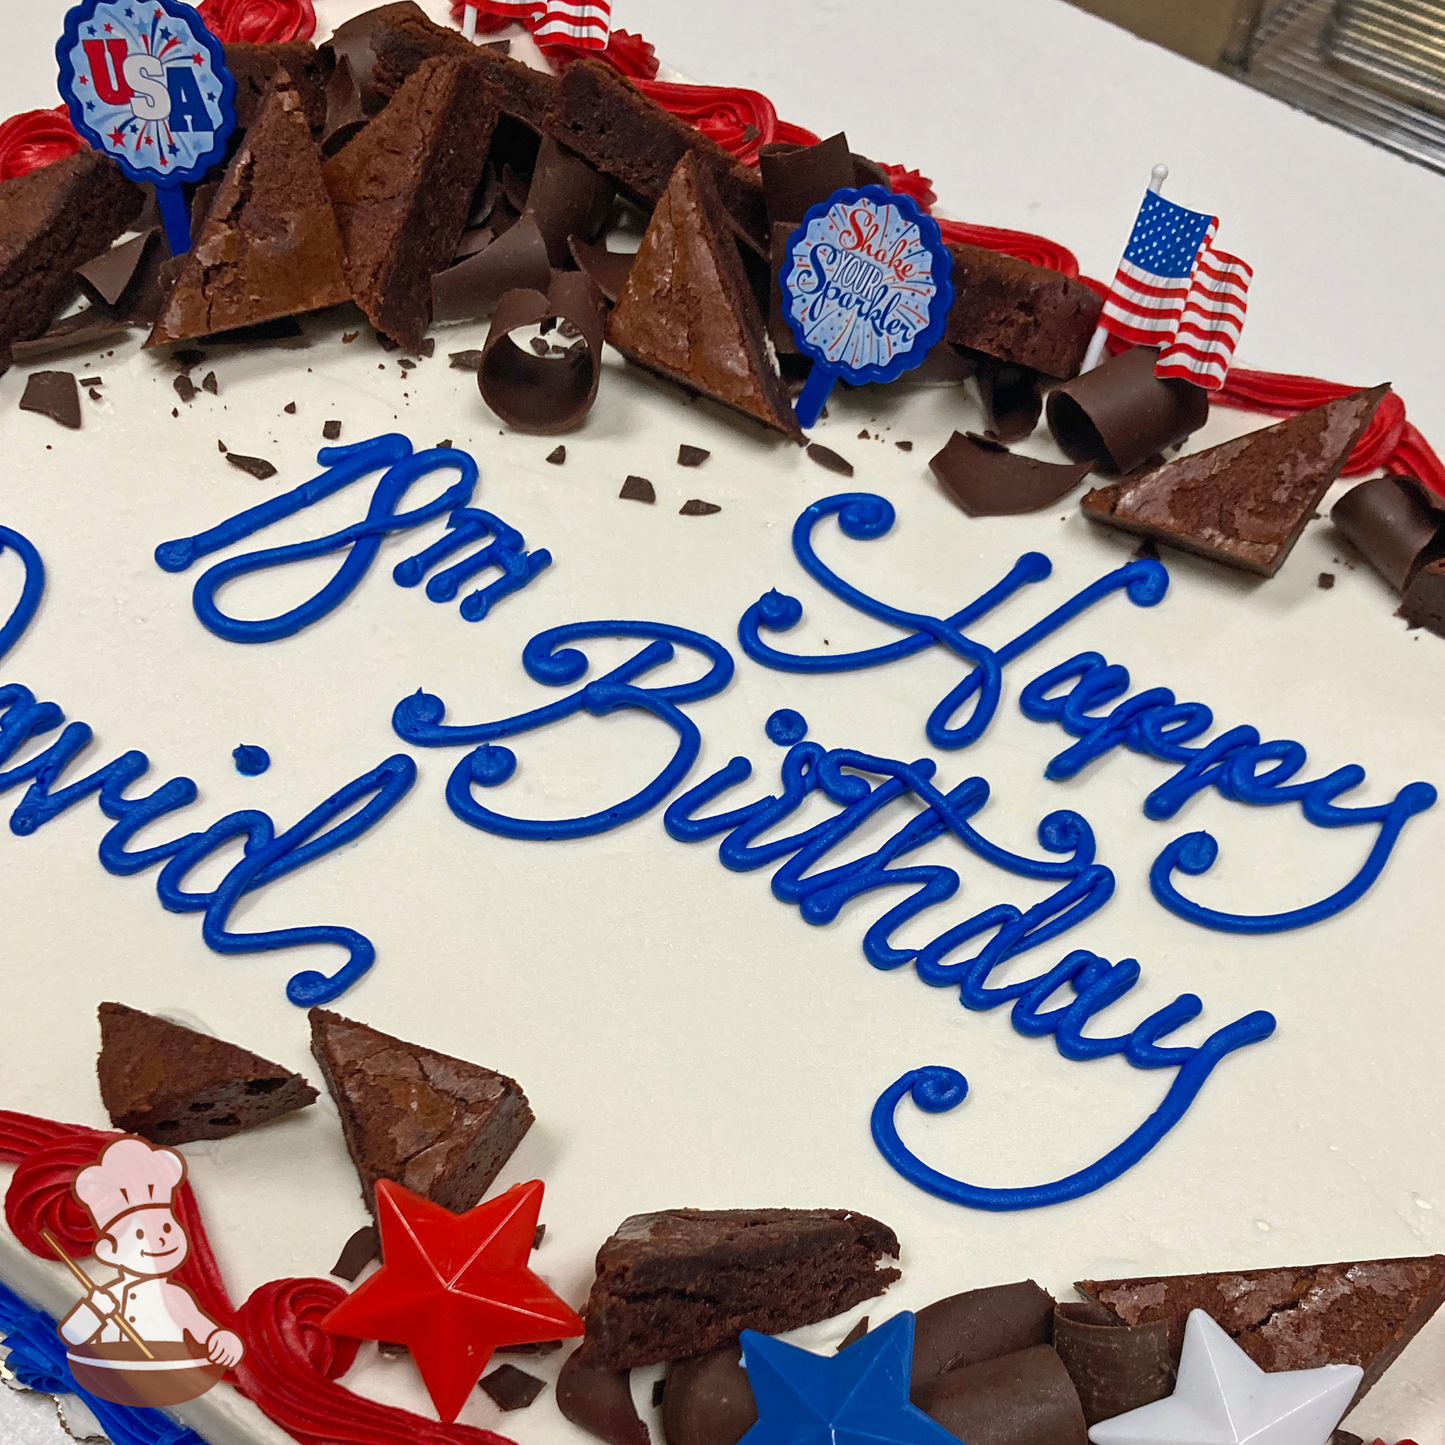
912	184
738	120
39	1197
259	21
35	138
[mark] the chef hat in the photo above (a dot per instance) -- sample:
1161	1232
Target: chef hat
130	1174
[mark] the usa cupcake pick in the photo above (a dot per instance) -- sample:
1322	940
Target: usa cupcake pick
866	287
146	84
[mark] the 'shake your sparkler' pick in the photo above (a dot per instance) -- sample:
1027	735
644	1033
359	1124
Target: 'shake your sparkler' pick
866	288
146	84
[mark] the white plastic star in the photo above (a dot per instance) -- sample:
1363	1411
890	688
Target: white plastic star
1223	1398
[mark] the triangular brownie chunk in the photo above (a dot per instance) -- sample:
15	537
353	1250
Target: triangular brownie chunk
687	310
1297	1317
441	1126
171	1085
402	189
270	246
1246	501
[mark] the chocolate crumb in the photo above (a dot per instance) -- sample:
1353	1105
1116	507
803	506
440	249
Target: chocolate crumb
428	347
539	346
538	1235
1326	581
466	360
221	446
691	456
1147	551
175	411
93	394
863	435
185	388
258	467
91	381
407	364
331	430
511	1388
557	455
347	337
568	329
356	1254
444	443
210	384
829	460
53	394
386	343
855	1334
659	1389
637	489
697	508
289	408
904	446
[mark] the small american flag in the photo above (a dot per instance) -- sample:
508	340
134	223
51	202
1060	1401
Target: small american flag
1174	290
584	23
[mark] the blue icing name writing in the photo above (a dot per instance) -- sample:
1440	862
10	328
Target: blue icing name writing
1152	722
362	540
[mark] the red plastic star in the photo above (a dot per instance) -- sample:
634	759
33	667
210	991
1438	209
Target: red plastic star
453	1287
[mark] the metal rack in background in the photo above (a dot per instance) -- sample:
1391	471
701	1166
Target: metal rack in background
1374	67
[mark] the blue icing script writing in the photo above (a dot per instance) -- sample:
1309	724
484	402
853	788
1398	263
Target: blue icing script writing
1151	723
267	854
362	540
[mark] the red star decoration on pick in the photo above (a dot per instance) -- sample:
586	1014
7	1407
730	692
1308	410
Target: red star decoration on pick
197	59
453	1287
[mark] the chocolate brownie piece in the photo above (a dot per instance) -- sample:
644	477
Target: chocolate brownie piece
269	246
384	46
1295	1317
684	1281
253	66
1424	601
631	138
402	189
1246	501
441	1126
687	311
51	221
1019	312
171	1085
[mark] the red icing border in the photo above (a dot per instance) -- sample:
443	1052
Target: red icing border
34	138
259	21
291	1364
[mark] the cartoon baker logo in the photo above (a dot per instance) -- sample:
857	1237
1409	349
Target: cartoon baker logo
137	1338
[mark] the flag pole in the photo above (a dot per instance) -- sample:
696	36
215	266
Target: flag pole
1095	354
469	22
87	1284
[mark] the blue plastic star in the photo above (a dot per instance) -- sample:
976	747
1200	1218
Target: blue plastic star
164	33
174	149
857	1397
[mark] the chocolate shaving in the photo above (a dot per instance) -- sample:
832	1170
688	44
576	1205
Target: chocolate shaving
258	467
472	241
987	480
1118	415
53	394
637	489
797	178
1397	525
186	389
979	1324
556	456
708	1400
904	446
543	395
567	197
465	360
331	430
608	269
691	456
854	1335
88	329
1115	1367
829	460
357	1252
1024	1398
698	508
516	260
110	275
210	384
428	347
345	115
1012	396
599	1401
511	1388
92	381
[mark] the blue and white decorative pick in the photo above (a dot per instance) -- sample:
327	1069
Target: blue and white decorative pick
856	1397
866	288
1223	1398
147	85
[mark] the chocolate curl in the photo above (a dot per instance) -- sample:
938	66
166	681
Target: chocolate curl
515	187
609	270
599	1401
797	177
1012	398
1424	600
987	480
88	328
567	197
708	1400
1025	1398
345	114
1120	414
485	196
1396	524
979	1324
1115	1367
543	395
516	260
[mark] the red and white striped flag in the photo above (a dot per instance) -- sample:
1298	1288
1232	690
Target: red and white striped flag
584	23
1208	325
